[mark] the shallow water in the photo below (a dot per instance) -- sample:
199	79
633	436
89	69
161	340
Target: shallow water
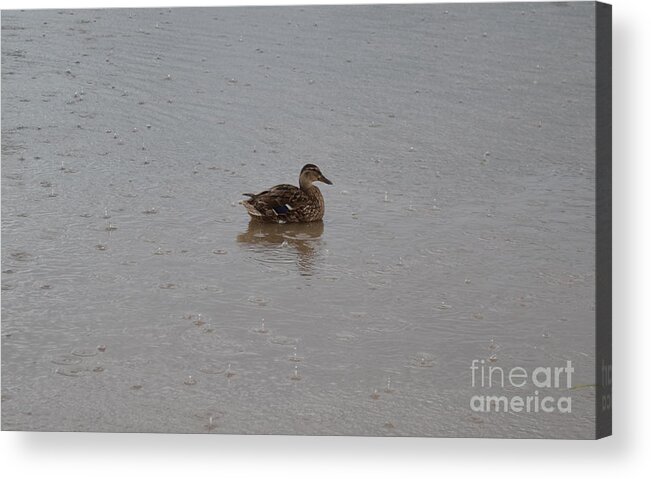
136	295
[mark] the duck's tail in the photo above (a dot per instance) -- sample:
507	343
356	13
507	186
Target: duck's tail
248	204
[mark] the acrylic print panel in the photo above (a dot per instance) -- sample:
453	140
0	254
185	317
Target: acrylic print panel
449	289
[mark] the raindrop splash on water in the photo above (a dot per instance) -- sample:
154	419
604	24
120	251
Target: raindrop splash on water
493	346
388	388
294	357
262	329
211	424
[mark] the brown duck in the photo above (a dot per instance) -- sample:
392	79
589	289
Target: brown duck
289	204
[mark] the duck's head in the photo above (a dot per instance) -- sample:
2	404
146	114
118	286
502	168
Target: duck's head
311	173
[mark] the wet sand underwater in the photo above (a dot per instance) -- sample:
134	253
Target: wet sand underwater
136	295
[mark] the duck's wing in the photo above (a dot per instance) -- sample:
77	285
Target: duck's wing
279	201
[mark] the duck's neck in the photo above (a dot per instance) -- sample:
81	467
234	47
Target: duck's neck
311	190
306	185
315	198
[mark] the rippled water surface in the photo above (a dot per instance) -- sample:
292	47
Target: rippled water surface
136	295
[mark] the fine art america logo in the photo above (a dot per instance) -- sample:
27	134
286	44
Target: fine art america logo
543	380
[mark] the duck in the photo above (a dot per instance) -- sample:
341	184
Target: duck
288	203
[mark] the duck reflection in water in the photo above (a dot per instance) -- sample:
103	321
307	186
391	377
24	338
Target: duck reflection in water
302	240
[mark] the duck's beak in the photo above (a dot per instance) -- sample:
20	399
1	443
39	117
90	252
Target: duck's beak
325	180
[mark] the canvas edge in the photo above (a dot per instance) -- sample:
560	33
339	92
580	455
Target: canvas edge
603	218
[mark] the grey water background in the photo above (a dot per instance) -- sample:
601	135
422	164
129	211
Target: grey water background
460	226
